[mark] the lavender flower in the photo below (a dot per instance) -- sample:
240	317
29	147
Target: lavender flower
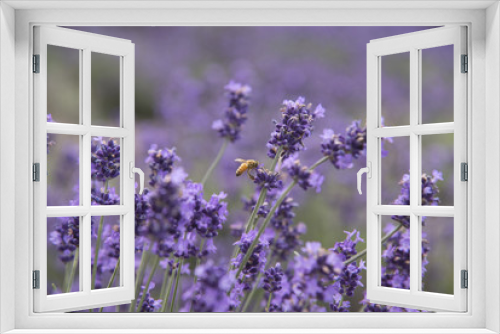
257	261
149	304
66	237
99	197
142	211
396	257
429	194
105	159
301	174
288	240
283	216
272	278
295	126
266	179
160	162
214	216
236	113
209	294
341	149
112	243
340	305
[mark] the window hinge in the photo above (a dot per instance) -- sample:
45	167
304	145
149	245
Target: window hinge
36	172
464	171
465	279
36	279
465	64
36	63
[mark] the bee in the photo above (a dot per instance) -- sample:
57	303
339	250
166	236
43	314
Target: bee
246	165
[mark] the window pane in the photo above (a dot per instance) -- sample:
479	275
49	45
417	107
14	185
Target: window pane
437	254
395	167
105	171
395	253
63	241
437	164
105	243
105	89
63	84
63	170
437	84
395	90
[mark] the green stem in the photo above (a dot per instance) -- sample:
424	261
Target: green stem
164	282
67	270
98	242
169	290
198	261
262	196
252	293
73	270
112	279
176	284
270	215
140	277
269	301
215	162
156	260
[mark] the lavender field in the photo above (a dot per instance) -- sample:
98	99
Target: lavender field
286	236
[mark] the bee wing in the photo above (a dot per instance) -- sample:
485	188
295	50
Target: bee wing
240	160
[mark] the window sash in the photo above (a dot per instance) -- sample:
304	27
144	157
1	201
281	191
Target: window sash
413	43
86	43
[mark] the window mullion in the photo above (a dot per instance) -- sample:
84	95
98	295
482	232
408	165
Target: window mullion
86	151
414	169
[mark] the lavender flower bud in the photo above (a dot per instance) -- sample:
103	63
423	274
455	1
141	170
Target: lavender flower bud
301	174
294	128
161	162
105	159
236	113
341	149
272	279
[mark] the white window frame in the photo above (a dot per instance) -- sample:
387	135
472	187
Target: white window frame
483	21
414	44
85	44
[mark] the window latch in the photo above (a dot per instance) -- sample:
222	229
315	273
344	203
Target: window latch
368	171
134	170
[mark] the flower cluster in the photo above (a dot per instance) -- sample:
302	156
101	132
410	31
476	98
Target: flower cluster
429	194
103	197
209	292
257	261
66	237
396	258
160	162
105	159
341	149
296	125
149	304
272	278
266	179
236	113
305	177
177	227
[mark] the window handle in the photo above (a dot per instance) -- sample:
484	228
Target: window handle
134	170
368	171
